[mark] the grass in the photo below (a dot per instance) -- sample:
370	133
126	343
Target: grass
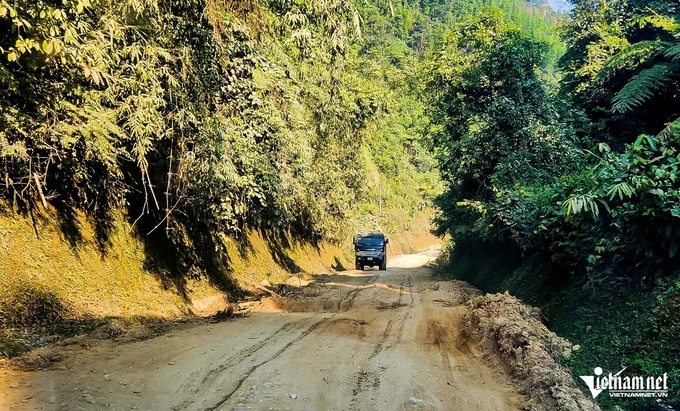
11	344
57	283
635	325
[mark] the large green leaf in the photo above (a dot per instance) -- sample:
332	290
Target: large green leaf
643	86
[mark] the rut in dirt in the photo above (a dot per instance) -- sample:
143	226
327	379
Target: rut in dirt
354	340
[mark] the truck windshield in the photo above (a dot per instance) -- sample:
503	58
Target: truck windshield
370	241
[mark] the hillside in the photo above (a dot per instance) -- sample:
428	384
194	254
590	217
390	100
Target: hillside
165	158
561	187
155	153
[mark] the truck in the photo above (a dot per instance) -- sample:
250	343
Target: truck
370	249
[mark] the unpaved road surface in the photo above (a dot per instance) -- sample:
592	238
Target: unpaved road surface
372	340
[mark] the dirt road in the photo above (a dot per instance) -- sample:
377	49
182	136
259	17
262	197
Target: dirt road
372	340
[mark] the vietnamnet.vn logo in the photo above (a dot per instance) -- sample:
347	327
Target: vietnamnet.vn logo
626	386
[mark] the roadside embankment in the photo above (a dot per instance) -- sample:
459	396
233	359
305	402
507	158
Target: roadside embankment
526	349
58	276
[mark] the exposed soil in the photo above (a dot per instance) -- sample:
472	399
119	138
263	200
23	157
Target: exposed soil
516	339
372	340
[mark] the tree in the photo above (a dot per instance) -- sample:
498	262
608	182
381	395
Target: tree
621	52
491	115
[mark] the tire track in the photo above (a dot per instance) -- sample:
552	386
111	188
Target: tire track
349	297
368	378
225	364
367	381
254	368
402	323
345	304
379	346
245	353
396	341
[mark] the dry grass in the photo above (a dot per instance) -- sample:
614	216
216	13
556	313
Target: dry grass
45	267
49	284
47	281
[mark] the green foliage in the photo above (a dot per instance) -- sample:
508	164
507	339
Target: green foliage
421	25
493	119
582	202
516	171
11	344
619	220
204	118
644	86
533	205
621	53
631	327
522	175
175	109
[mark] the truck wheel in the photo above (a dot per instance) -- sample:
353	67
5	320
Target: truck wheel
383	264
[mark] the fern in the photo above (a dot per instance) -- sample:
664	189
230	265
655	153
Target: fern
643	86
673	51
669	130
632	57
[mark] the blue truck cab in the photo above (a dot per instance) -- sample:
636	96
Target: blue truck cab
370	249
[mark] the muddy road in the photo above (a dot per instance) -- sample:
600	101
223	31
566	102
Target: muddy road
372	340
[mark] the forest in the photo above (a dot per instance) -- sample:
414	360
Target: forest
548	143
569	177
201	120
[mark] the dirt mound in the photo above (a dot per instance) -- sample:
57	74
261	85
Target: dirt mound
527	350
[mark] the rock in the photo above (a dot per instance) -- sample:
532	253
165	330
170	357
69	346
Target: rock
495	298
293	396
54	357
575	347
414	400
224	314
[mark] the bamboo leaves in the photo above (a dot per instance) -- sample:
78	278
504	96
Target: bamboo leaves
130	98
584	203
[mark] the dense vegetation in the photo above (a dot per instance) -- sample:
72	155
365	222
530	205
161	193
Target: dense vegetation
200	119
556	139
203	118
576	186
